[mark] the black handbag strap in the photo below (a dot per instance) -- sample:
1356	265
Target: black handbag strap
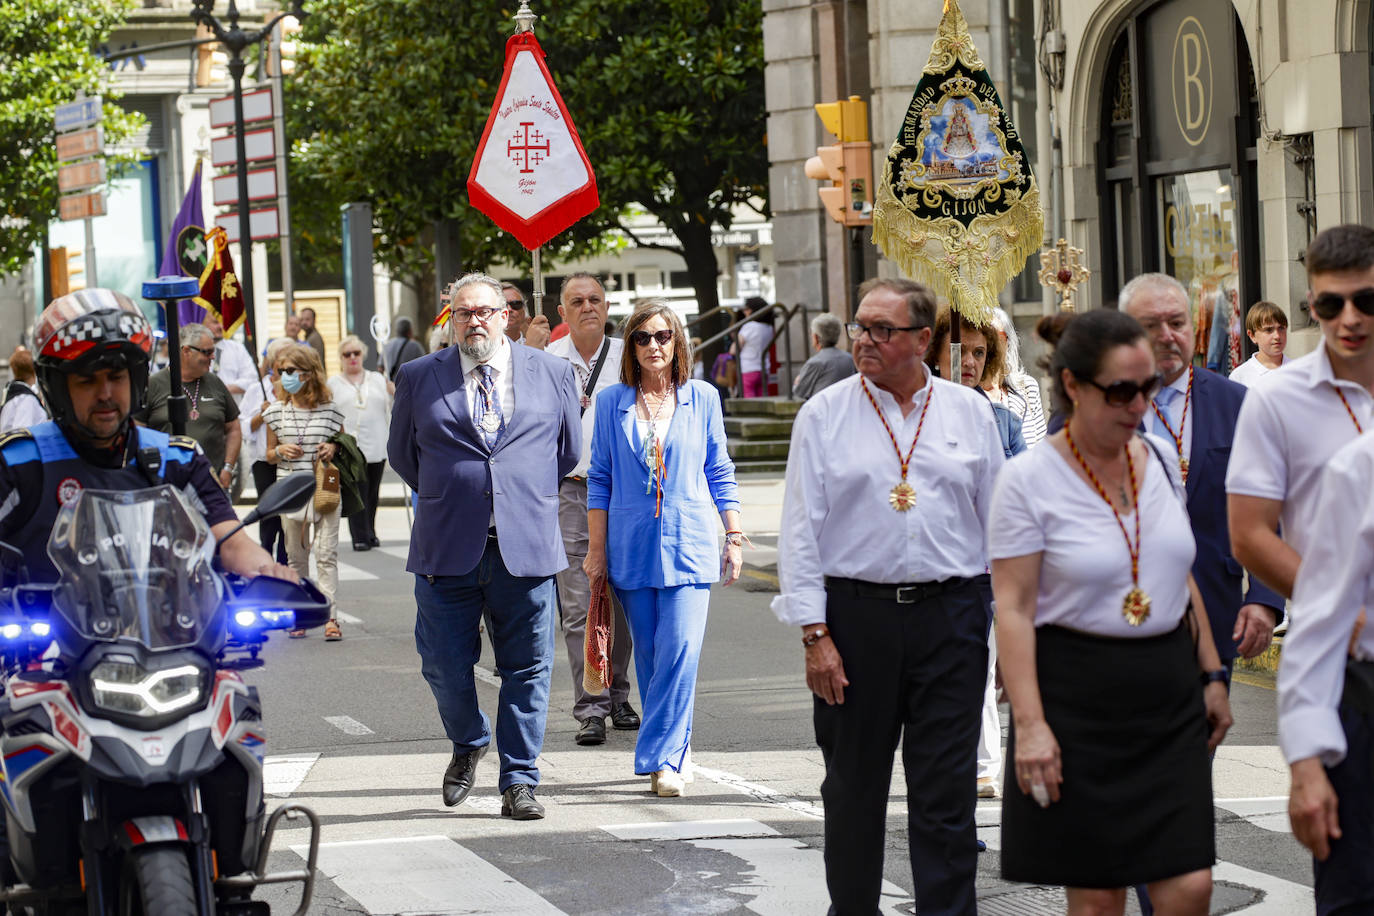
596	371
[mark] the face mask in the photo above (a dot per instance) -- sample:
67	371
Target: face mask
291	381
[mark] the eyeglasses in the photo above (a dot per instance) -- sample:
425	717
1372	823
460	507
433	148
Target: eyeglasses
463	316
1121	394
207	352
1329	305
352	353
878	333
292	370
642	338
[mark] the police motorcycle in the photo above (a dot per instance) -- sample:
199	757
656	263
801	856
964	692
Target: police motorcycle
132	749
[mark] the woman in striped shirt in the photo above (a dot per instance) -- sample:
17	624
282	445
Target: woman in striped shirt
299	427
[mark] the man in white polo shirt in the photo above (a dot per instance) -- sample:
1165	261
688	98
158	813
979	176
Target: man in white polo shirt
595	359
1290	426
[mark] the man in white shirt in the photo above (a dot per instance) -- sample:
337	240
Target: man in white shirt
1290	426
23	406
232	363
523	328
595	359
883	565
1267	327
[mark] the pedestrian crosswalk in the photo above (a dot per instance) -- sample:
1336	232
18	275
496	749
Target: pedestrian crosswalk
736	844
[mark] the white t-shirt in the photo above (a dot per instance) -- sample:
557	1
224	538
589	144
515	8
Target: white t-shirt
754	337
1290	424
1041	505
1251	371
582	373
366	409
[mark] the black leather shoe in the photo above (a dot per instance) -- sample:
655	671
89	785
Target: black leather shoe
375	541
593	731
518	803
460	776
361	545
624	717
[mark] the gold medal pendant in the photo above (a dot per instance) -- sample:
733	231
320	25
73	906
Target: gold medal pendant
902	497
1136	607
1183	468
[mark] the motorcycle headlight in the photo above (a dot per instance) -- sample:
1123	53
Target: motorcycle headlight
124	686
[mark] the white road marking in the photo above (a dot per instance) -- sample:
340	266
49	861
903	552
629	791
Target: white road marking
1281	896
760	792
402	553
1269	813
348	618
348	725
690	830
427	874
350	573
485	676
283	774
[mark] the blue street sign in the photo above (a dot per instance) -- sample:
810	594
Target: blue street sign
171	288
78	114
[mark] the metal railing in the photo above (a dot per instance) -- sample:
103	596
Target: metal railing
783	328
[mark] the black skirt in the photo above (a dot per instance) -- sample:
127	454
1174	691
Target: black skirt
1136	802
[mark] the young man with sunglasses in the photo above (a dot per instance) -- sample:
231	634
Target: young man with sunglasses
595	359
1291	426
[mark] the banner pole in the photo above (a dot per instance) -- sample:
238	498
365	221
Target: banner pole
538	283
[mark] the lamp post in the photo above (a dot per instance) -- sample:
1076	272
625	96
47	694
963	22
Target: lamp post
235	40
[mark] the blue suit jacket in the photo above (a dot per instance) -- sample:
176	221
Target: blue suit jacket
679	547
437	450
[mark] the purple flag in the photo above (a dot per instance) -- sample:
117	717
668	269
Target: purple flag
186	253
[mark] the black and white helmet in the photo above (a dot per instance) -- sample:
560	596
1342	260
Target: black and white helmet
84	332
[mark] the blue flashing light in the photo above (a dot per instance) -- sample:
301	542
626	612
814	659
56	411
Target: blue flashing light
283	619
245	618
39	628
11	631
173	287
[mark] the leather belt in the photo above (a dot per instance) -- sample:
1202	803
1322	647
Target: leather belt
906	593
575	479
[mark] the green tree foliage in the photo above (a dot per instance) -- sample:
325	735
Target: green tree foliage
45	57
391	96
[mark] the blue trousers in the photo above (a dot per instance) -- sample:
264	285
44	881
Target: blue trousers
449	609
668	625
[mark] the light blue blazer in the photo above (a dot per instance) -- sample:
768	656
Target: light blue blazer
680	547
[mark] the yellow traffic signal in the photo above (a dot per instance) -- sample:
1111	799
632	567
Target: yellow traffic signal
212	63
848	165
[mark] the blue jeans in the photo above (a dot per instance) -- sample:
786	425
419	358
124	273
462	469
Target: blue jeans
449	609
669	625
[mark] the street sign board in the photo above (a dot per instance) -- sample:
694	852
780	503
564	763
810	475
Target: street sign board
257	144
78	176
80	144
257	106
262	184
81	206
78	114
262	224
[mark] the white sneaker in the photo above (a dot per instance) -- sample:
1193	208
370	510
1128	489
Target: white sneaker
987	787
669	784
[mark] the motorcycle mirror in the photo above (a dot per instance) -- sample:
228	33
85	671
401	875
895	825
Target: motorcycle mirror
286	495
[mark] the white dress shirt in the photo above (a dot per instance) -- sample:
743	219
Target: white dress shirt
1290	425
367	422
234	367
254	446
1043	506
1252	370
500	379
22	411
1171	405
836	518
1335	580
582	371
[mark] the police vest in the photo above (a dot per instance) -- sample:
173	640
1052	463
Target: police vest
66	474
17	389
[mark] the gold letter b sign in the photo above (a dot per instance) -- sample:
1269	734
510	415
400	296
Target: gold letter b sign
1192	81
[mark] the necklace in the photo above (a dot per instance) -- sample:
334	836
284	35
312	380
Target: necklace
1341	394
194	398
359	391
654	448
903	495
296	422
1183	423
1136	607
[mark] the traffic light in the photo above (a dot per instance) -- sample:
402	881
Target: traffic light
281	52
212	63
847	165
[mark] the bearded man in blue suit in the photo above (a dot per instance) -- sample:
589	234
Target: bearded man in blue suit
483	432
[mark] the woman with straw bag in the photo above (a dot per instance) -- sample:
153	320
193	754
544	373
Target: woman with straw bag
299	427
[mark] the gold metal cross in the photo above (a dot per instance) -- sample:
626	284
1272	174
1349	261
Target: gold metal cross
1061	269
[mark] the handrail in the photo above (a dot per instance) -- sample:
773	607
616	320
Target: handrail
704	315
787	315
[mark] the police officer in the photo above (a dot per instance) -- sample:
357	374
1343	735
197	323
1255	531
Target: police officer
92	366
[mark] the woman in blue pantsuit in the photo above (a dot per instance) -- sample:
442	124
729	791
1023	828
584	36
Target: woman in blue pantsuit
659	474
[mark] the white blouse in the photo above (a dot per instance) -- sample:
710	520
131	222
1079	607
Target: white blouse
366	410
1041	505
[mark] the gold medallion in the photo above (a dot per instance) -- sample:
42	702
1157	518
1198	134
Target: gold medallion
1183	468
1136	607
902	497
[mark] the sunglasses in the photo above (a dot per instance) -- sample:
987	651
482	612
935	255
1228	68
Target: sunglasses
642	338
352	353
203	351
1329	305
1121	394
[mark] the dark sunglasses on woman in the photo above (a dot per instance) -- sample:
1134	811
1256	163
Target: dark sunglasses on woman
642	338
1122	393
1329	305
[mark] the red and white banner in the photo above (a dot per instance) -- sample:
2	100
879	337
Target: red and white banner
531	175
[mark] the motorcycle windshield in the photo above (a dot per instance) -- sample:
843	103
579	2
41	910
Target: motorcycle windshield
134	564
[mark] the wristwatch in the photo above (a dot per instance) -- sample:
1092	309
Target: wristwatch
815	636
1219	676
